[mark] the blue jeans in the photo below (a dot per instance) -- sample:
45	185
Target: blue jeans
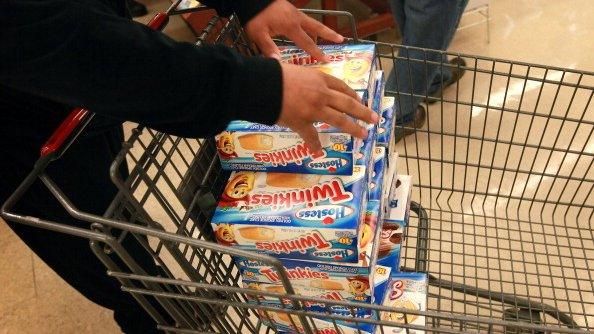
427	24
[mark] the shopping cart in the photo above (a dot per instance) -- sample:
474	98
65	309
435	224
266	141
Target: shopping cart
502	221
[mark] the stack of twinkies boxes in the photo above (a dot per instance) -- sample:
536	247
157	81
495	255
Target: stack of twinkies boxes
336	220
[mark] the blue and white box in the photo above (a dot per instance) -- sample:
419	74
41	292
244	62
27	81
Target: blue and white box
296	216
325	326
405	291
352	63
376	179
385	128
257	147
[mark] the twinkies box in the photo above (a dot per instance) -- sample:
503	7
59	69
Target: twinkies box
352	63
295	216
331	285
329	326
327	280
288	323
385	128
364	153
256	147
376	179
375	103
350	281
405	291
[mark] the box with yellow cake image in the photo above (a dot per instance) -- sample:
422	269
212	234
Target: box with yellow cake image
325	289
301	216
281	320
257	147
327	280
405	291
349	280
352	63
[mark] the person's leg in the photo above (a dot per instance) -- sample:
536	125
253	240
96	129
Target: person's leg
428	24
397	7
398	81
444	74
83	174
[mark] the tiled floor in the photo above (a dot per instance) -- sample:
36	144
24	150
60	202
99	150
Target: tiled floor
34	300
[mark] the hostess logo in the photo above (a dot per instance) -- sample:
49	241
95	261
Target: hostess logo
334	254
325	213
329	164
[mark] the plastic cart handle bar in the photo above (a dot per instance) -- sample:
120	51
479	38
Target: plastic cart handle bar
78	116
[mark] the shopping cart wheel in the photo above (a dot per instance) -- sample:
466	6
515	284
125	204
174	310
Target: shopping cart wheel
522	315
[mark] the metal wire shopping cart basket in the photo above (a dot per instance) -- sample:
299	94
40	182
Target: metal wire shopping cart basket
502	222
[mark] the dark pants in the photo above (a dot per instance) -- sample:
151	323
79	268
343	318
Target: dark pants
429	24
83	174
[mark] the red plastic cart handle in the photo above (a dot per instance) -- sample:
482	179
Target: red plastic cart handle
57	139
77	115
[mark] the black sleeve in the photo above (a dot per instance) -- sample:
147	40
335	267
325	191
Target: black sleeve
245	9
82	54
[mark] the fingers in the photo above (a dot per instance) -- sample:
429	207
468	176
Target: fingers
352	107
343	122
310	136
307	44
267	46
340	86
314	27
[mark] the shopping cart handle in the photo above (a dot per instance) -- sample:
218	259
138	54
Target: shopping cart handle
159	21
55	142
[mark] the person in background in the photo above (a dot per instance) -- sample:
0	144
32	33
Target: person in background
57	55
429	24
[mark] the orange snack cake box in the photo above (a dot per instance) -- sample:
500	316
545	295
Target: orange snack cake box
328	280
257	147
323	325
351	63
298	216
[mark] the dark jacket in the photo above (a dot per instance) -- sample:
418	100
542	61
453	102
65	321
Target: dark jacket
58	54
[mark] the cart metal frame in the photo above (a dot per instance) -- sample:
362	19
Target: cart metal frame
501	257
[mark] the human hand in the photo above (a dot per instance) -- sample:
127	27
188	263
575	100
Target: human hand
282	18
312	96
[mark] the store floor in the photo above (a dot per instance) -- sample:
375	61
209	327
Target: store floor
34	300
